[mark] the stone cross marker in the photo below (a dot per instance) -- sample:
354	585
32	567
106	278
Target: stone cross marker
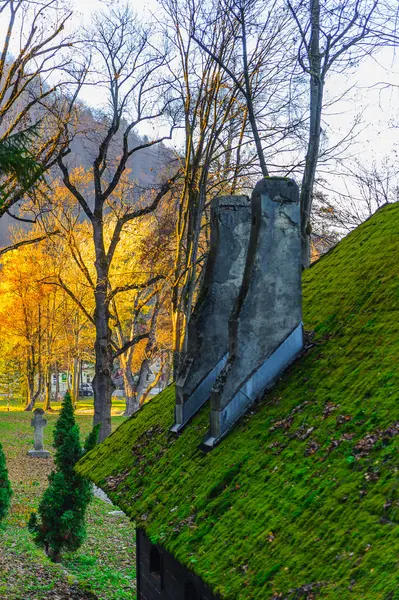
39	423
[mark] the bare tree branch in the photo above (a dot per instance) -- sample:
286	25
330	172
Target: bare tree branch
134	286
127	345
27	242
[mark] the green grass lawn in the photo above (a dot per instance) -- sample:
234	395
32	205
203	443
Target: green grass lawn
104	565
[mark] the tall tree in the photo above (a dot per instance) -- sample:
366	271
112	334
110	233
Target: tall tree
128	63
334	35
261	66
25	325
39	322
64	266
213	122
237	93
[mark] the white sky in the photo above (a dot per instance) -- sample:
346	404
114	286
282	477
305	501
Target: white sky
380	108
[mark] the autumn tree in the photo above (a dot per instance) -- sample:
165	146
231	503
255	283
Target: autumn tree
236	92
208	110
206	104
156	349
128	66
59	272
23	319
145	310
74	332
38	321
138	273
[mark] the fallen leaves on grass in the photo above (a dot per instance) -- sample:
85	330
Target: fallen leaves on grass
103	568
22	579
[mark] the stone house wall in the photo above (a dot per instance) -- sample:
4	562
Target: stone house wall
160	576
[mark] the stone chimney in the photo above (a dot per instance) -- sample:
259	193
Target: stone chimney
265	326
208	332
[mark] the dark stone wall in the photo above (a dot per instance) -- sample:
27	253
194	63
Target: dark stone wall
208	335
173	582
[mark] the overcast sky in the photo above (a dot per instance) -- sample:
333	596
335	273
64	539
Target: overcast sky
380	107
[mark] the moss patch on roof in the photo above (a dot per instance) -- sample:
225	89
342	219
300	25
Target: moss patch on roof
301	497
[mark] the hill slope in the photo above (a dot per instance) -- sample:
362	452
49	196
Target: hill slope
301	498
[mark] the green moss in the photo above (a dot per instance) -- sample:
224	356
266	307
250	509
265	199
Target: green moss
274	508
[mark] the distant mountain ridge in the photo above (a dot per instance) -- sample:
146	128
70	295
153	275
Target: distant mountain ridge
145	166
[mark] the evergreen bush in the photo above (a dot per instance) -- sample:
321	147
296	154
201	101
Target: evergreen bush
5	486
61	522
17	158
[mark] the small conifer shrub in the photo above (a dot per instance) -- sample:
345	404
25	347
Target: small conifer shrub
60	522
5	486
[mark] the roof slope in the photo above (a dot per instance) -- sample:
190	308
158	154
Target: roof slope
302	496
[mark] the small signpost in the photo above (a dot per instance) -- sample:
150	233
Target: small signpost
39	423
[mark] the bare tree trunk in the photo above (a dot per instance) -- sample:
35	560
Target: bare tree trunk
145	370
77	383
328	36
166	371
47	400
176	332
152	385
316	106
130	387
75	380
125	360
102	382
142	382
57	381
30	387
238	152
249	96
39	387
32	395
103	385
186	261
132	403
180	263
31	364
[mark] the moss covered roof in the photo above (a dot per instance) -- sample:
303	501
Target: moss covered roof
301	497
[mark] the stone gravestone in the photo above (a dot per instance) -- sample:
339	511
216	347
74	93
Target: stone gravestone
207	341
265	327
39	423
